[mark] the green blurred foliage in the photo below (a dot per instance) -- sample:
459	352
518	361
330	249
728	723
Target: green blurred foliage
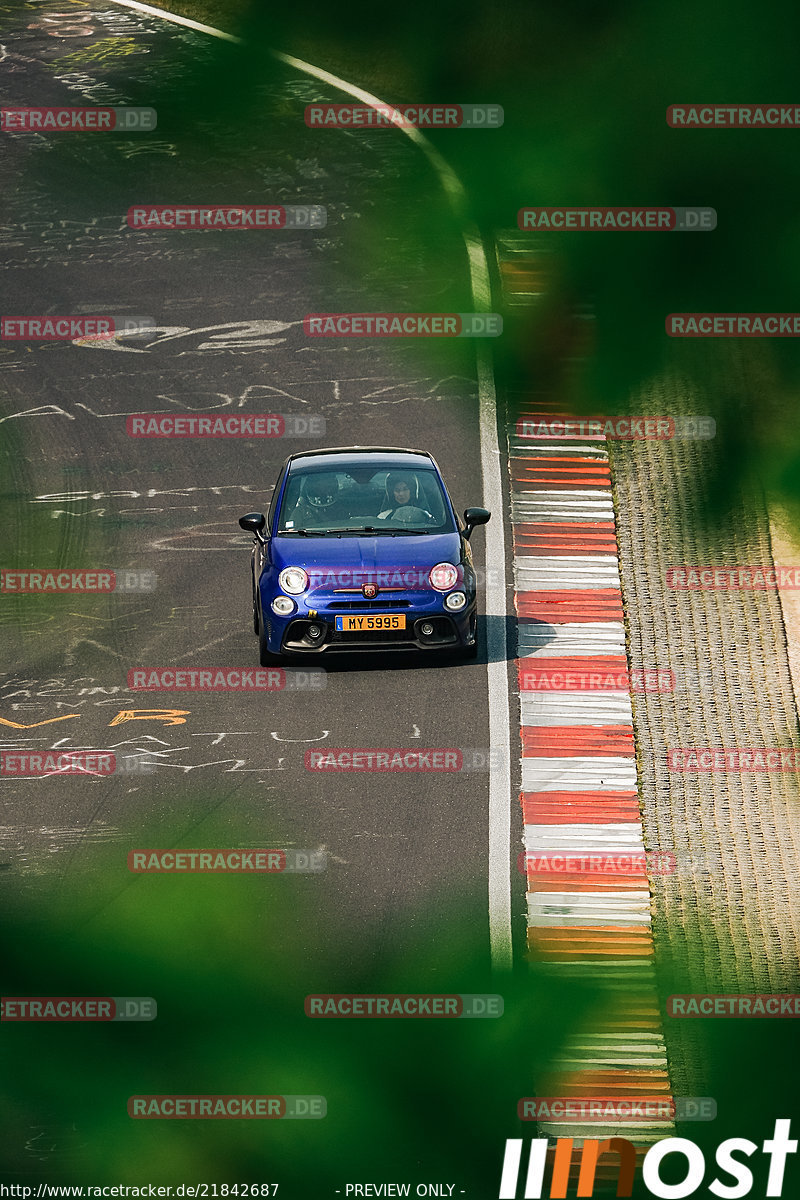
229	960
585	88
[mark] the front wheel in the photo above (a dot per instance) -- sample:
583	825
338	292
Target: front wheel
265	655
470	652
255	599
457	654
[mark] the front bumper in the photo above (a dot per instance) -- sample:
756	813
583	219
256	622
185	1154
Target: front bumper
450	630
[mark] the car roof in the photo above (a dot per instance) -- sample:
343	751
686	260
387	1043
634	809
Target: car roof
340	457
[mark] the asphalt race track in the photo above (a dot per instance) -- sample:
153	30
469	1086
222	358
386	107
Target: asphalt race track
228	308
402	898
595	853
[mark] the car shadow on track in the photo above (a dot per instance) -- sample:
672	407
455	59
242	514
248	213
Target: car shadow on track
415	660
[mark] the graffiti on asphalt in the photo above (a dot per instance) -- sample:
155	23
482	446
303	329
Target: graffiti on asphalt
243	336
170	716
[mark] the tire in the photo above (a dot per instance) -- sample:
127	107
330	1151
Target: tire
255	602
265	655
471	652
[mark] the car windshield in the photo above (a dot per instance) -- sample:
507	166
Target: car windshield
364	500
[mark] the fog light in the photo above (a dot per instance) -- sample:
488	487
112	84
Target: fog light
282	605
426	629
455	601
315	632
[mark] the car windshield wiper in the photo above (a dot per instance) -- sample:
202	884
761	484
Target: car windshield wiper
358	529
371	529
303	532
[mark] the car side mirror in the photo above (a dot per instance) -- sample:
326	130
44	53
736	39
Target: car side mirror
254	523
473	517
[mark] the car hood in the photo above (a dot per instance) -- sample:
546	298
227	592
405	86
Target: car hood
365	554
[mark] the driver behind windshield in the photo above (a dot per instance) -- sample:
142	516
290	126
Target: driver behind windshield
320	503
402	500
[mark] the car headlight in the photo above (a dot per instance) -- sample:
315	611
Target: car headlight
293	580
443	576
455	601
282	605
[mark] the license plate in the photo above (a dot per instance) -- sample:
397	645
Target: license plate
371	622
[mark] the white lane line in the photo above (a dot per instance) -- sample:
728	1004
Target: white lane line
521	489
572	639
500	798
535	574
176	20
629	1039
530	452
621	839
497	654
595	902
646	1135
578	775
548	424
562	562
557	909
528	508
629	976
575	708
615	1056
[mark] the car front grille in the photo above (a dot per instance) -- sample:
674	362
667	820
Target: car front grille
367	604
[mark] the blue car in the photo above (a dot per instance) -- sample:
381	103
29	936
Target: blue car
362	550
